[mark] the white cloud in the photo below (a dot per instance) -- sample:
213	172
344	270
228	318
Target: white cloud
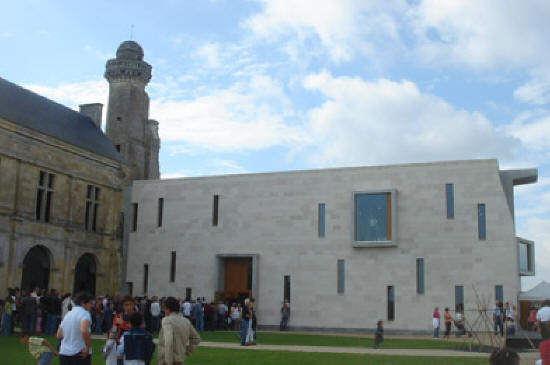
245	116
533	129
537	89
209	53
385	121
482	34
343	27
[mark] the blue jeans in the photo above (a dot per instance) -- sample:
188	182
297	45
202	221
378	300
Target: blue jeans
498	323
51	324
244	330
29	321
284	323
98	324
155	323
45	358
199	323
436	332
6	324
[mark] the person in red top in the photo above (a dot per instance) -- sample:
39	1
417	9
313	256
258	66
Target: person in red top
122	320
531	319
435	322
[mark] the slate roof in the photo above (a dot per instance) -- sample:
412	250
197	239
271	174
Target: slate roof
30	110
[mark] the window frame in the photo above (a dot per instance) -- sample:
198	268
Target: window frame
393	219
530	256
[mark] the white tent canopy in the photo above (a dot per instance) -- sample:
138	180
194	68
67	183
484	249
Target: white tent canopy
538	293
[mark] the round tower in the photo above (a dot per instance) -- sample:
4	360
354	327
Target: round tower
128	125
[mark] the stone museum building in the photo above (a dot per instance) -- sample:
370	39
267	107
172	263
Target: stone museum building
347	246
82	209
62	181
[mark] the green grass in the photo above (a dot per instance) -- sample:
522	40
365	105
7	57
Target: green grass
11	352
333	340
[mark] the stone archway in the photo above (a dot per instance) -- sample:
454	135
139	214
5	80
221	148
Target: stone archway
85	274
36	269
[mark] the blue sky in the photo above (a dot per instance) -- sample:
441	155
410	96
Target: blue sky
279	85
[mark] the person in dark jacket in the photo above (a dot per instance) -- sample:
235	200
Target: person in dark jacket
136	343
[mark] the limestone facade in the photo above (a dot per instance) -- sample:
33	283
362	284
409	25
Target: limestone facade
25	154
334	281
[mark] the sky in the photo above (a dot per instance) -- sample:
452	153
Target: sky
255	86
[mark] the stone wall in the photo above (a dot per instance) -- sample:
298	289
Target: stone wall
273	217
23	154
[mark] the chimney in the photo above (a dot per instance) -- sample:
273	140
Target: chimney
92	111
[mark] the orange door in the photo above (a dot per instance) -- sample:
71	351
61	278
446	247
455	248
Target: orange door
236	277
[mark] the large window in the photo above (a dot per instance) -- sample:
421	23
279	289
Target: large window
92	207
44	193
374	214
526	257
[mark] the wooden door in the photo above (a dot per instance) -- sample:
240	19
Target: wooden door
236	277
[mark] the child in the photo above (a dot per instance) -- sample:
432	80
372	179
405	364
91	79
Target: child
379	334
39	348
136	344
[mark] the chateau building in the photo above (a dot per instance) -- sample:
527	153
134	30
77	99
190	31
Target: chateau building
63	181
347	246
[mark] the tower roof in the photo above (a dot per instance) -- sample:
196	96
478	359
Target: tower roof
129	50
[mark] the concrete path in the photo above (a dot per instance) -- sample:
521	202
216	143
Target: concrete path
527	358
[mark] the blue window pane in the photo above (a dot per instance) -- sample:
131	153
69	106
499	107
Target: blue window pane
481	221
459	296
449	192
341	277
371	217
420	276
499	293
322	220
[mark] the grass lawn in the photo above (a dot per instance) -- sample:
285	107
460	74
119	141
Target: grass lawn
289	338
12	353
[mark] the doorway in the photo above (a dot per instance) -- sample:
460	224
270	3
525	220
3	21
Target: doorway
36	269
237	277
85	274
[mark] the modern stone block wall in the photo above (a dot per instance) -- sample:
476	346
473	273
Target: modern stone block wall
274	216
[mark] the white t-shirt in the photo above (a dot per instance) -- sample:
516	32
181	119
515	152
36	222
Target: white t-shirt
155	309
543	314
236	314
72	342
187	309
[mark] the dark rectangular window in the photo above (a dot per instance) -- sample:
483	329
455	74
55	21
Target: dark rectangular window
449	193
499	293
134	216
173	266
481	225
188	293
420	276
117	147
391	303
215	210
161	208
341	276
44	195
286	284
145	278
92	206
459	297
321	220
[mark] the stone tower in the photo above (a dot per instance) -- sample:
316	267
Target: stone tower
128	125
